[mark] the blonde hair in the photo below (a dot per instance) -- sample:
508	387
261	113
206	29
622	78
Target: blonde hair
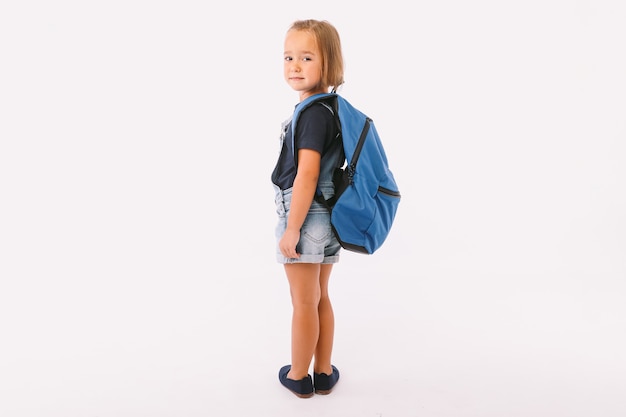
329	43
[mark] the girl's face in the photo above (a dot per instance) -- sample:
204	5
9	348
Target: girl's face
303	63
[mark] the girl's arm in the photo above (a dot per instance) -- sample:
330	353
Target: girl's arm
302	194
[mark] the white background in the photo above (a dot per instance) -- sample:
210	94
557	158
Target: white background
137	274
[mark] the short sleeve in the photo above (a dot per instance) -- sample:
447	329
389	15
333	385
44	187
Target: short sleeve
315	128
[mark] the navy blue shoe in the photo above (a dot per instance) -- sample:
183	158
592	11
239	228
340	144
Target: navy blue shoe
303	388
324	383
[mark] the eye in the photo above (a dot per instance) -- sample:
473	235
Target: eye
288	58
307	58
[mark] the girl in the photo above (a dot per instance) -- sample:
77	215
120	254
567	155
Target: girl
306	245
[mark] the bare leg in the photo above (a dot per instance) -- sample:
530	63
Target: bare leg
304	284
324	348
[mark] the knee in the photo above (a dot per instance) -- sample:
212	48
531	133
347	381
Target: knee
324	302
306	300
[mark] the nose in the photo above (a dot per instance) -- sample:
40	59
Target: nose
294	67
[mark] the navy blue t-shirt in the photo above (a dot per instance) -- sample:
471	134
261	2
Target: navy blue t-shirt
316	130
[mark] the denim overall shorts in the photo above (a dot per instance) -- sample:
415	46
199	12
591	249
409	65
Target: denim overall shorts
318	243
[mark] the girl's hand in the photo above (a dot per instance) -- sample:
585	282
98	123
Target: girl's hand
288	243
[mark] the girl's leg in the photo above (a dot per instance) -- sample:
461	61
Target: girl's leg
304	285
324	348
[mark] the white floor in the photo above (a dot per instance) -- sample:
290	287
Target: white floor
185	342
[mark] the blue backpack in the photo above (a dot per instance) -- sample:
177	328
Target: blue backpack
366	194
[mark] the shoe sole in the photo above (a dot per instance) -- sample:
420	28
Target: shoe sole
323	391
297	394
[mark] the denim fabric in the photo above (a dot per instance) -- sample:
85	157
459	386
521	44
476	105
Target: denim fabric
318	243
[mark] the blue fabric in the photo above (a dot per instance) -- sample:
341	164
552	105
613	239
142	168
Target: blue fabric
323	383
364	210
303	388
